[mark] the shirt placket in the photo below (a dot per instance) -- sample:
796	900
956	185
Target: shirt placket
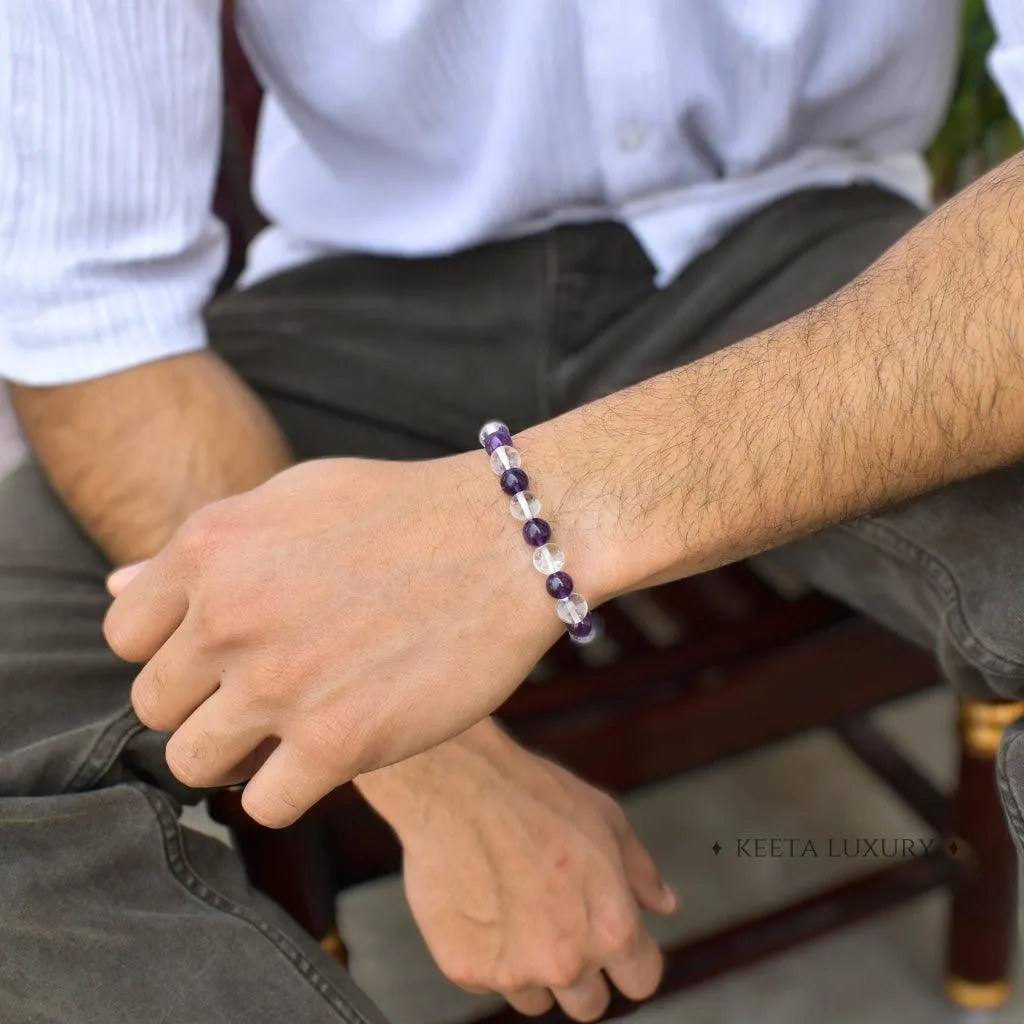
628	89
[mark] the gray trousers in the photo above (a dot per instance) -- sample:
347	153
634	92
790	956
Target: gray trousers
110	911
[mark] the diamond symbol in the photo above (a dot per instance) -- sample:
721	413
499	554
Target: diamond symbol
717	847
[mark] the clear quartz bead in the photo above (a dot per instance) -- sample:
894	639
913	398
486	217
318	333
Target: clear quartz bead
548	558
491	427
505	457
524	505
571	609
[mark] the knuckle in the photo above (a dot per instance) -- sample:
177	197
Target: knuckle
191	759
261	678
509	977
272	683
319	767
217	623
203	534
325	739
147	691
563	969
264	686
615	926
145	707
118	634
462	971
339	740
268	811
226	614
278	802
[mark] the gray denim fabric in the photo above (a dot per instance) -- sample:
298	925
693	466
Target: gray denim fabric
110	911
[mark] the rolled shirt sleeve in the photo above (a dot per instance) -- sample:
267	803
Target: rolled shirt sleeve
1006	61
110	119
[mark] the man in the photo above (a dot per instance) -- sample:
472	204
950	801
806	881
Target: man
477	210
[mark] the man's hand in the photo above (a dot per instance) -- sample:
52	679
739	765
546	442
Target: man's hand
523	879
330	622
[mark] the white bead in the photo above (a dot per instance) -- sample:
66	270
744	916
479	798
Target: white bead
548	558
505	457
571	609
491	427
524	505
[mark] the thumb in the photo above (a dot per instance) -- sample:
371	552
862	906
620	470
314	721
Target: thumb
651	891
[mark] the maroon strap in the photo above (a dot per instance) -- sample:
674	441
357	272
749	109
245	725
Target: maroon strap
242	90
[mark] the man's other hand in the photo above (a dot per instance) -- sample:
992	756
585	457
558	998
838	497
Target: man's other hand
523	879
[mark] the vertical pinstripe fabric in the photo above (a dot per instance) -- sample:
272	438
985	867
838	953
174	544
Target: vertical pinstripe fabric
422	126
109	127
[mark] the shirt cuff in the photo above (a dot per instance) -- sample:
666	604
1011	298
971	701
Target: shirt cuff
112	319
103	334
87	358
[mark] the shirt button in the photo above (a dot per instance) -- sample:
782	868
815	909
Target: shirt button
632	138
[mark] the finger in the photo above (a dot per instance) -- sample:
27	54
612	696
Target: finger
638	974
644	877
587	999
250	765
120	578
150	605
286	787
217	744
173	683
531	1002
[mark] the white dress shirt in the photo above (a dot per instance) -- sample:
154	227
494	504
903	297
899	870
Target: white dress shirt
417	127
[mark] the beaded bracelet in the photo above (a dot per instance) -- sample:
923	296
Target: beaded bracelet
548	558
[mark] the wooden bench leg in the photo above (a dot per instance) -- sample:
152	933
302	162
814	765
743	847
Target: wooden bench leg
333	945
983	925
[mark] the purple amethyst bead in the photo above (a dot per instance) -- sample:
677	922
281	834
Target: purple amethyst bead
513	481
582	630
536	532
559	584
496	440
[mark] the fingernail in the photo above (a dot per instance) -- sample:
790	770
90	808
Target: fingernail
120	578
670	900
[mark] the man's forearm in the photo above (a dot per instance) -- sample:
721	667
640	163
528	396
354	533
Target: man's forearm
910	377
134	453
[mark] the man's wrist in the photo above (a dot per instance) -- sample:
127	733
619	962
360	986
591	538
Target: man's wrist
590	477
403	793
